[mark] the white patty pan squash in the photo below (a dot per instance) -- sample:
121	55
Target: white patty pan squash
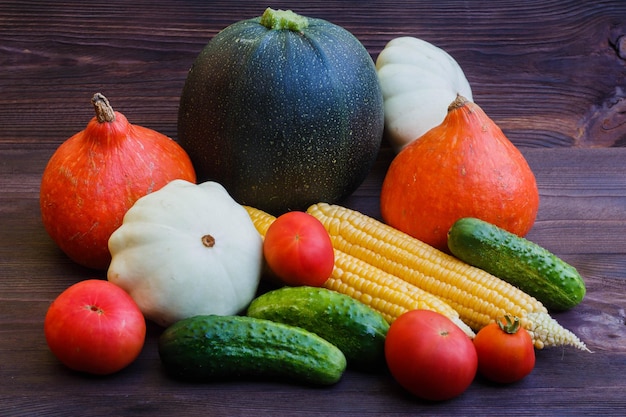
187	250
419	81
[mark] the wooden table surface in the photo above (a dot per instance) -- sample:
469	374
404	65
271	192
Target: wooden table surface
551	73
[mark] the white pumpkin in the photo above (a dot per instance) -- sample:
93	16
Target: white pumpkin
187	250
419	81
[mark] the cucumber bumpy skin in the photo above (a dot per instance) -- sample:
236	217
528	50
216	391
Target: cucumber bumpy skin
211	347
520	262
356	329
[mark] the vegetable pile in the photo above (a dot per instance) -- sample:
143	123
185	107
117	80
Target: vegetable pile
443	289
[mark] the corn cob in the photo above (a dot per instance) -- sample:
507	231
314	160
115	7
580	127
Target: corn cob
381	291
476	295
384	292
260	219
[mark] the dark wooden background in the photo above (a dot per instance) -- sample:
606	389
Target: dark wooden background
551	73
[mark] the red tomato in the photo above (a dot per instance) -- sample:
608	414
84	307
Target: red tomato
430	356
298	249
94	326
505	351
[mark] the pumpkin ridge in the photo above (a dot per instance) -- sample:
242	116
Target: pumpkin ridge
294	117
465	167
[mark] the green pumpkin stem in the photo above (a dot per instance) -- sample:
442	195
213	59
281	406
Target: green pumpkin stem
104	111
283	19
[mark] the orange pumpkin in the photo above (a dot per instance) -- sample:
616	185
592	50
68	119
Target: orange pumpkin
465	167
95	176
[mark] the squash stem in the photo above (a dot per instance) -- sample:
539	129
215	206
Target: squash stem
104	111
458	102
283	19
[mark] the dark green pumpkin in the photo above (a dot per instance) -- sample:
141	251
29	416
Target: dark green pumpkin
283	116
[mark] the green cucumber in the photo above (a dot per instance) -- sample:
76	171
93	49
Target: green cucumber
520	262
356	329
211	347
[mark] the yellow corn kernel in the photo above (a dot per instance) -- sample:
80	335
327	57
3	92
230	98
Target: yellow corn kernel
476	295
383	292
260	218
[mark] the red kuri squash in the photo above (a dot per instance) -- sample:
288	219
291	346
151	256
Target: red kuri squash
465	167
95	176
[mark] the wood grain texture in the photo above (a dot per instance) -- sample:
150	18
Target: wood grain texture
548	72
551	73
